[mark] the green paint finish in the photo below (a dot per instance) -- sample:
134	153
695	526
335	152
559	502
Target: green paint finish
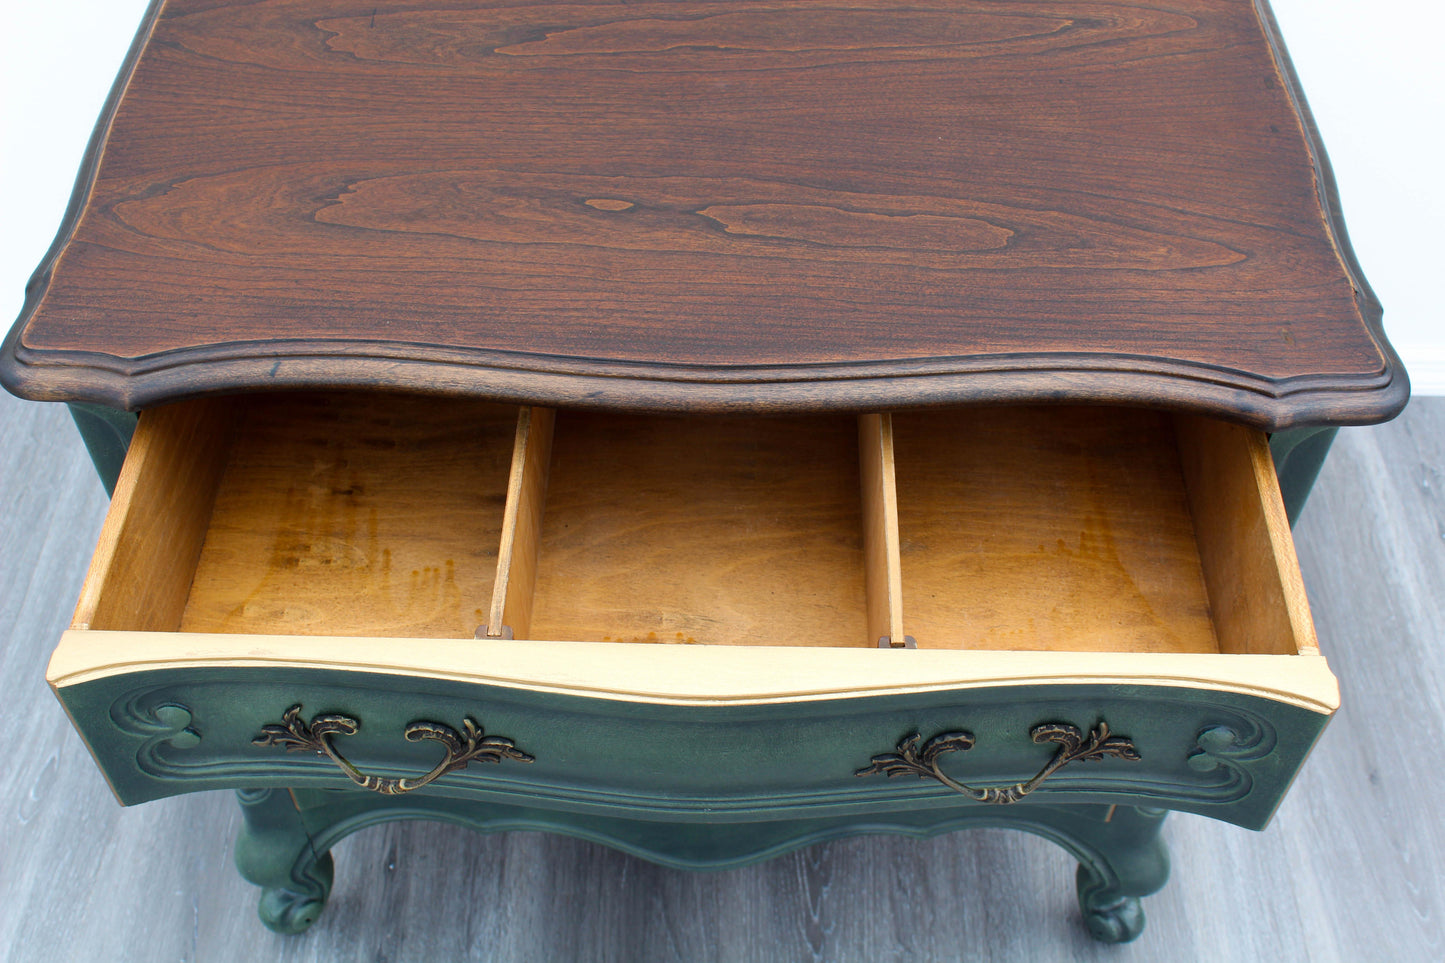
275	851
106	433
163	732
1298	456
695	787
287	838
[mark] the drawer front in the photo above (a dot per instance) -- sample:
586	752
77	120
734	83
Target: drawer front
873	615
159	732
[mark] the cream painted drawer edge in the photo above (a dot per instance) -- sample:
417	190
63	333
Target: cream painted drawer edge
695	675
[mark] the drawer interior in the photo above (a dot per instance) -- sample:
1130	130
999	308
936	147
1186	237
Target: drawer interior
358	516
691	530
1028	528
306	515
1084	529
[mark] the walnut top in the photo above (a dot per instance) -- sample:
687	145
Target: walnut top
711	205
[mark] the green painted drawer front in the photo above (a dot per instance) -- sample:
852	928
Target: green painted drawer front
1223	754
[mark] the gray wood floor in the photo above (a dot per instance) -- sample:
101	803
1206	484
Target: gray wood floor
1350	868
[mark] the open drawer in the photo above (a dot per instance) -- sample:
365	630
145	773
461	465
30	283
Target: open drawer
692	618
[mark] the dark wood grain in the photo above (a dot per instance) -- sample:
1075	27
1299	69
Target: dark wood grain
712	205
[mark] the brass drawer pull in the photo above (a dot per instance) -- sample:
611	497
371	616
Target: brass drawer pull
462	748
908	758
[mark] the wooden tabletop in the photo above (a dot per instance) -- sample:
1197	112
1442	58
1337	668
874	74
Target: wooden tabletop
711	205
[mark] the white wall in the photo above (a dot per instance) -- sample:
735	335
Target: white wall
57	61
1371	70
1374	75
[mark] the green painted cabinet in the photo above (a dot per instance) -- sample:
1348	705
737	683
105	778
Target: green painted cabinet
287	588
702	428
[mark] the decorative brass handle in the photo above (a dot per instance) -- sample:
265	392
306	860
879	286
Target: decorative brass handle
908	758
462	748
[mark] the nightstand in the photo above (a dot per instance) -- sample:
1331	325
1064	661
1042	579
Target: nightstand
707	429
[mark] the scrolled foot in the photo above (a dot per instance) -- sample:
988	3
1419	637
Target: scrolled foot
1110	916
287	912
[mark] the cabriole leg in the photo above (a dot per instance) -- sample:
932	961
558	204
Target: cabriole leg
1120	861
275	852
